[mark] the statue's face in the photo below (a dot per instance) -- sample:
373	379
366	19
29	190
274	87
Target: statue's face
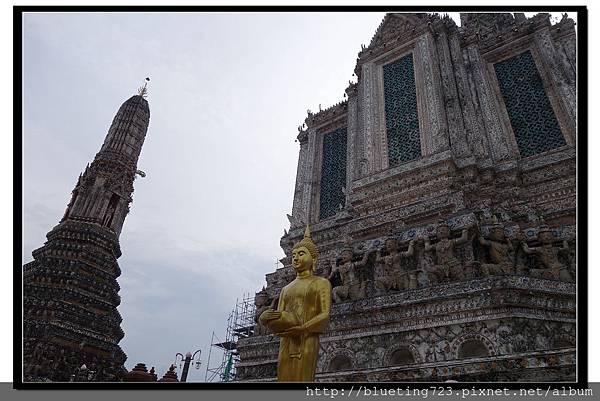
301	259
443	232
391	245
260	300
346	256
546	237
497	234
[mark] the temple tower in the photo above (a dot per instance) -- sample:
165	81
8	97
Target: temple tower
70	289
450	171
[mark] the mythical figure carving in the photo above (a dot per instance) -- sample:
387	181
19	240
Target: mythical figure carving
261	301
448	266
388	273
500	251
352	287
547	255
302	313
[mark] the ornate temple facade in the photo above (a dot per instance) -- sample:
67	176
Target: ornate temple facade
70	289
442	197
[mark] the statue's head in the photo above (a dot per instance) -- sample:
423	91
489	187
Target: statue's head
391	245
443	230
346	255
347	250
261	298
497	233
545	235
305	253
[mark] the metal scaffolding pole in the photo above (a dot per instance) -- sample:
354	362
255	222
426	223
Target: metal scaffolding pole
240	324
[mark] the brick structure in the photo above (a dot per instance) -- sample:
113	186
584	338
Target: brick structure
457	143
70	289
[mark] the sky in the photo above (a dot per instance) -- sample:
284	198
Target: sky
227	92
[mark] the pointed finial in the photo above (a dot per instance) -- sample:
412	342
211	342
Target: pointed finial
143	90
307	232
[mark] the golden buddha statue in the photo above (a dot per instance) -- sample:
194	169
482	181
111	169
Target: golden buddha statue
302	313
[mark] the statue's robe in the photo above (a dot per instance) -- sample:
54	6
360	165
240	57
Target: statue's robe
309	298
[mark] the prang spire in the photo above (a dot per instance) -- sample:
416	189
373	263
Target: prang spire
70	289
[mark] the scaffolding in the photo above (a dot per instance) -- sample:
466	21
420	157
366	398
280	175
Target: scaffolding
240	324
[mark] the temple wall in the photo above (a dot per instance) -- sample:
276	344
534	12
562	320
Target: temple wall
473	177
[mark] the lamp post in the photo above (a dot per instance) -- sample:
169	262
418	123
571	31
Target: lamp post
187	359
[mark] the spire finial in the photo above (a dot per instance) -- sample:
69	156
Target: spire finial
143	90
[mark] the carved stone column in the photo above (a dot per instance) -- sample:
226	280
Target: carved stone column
309	179
351	151
302	179
456	126
474	131
429	94
369	116
488	107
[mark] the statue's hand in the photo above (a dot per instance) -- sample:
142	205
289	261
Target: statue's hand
295	331
270	315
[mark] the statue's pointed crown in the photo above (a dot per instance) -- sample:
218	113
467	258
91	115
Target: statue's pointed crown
496	223
308	243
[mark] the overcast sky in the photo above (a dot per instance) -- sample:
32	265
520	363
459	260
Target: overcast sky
227	92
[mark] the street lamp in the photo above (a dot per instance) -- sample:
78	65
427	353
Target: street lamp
187	359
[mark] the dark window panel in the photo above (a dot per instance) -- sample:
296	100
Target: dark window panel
531	116
401	117
333	173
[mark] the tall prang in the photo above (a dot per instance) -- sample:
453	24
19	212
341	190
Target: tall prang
70	289
442	196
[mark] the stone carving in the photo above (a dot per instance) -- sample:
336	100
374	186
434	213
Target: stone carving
547	256
447	266
294	221
388	273
261	302
500	251
352	288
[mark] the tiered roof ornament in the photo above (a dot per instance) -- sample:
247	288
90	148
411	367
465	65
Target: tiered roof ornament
170	376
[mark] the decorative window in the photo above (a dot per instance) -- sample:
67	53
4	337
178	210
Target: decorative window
401	117
473	348
531	116
110	210
402	356
333	173
340	362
